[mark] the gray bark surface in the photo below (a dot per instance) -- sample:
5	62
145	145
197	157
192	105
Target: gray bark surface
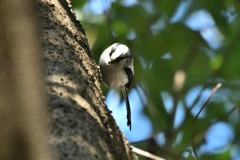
81	126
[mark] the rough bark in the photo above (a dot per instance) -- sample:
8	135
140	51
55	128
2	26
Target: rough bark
81	126
22	125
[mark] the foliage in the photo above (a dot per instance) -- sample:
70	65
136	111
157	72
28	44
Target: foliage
182	49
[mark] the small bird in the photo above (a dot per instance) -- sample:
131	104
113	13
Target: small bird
116	67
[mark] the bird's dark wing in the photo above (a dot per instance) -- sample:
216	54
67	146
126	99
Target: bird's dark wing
129	73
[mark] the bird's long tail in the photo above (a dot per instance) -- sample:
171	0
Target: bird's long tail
124	90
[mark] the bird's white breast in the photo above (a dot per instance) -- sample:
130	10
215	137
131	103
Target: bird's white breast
117	78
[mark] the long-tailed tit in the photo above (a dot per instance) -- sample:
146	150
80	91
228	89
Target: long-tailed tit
116	66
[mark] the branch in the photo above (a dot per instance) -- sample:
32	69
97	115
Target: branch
196	117
145	154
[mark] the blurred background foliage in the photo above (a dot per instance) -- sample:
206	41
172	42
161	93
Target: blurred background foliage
181	49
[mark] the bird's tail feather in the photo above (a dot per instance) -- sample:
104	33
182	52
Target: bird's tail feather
124	90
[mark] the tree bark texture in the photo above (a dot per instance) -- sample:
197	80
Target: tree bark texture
81	126
22	125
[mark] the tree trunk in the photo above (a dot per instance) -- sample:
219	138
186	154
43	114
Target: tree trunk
81	126
22	125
